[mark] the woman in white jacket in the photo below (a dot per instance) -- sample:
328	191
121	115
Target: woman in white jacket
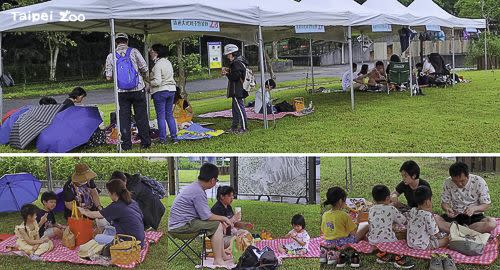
163	91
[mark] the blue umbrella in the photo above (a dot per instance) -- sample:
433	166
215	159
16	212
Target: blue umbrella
17	190
6	126
69	129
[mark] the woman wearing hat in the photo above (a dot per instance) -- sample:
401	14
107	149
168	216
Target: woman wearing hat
82	189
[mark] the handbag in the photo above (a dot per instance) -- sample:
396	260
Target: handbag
467	241
125	252
81	227
68	239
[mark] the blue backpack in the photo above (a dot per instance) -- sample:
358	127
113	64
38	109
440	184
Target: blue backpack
156	187
128	78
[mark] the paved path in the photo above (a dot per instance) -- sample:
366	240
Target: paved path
105	96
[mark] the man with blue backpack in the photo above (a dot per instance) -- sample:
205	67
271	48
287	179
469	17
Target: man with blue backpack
131	67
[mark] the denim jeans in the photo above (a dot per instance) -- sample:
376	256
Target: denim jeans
164	105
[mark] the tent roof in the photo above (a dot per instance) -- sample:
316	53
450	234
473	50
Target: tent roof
429	8
127	14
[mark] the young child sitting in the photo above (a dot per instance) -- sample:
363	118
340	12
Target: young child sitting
46	219
28	239
423	230
300	236
381	217
338	229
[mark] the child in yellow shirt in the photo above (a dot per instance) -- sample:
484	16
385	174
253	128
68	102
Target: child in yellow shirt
338	230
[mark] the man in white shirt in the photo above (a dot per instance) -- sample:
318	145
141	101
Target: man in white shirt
465	199
358	81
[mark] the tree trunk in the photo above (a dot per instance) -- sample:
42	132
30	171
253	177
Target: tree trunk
182	71
53	63
275	49
269	66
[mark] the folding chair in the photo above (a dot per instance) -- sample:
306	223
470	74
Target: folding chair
183	243
399	73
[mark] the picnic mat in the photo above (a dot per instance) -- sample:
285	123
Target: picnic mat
250	114
313	250
490	253
62	254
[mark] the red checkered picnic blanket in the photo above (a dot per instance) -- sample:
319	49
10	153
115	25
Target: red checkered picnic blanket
490	253
250	114
312	252
62	254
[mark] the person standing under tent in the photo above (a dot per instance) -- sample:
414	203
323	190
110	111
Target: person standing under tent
236	73
131	90
163	91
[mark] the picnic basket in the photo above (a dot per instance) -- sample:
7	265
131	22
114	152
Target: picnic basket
298	104
125	252
68	239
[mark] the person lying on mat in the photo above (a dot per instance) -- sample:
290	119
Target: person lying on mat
410	172
225	196
423	230
299	235
82	189
465	199
377	79
190	213
123	213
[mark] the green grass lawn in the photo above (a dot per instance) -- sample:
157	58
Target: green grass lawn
188	176
154	260
368	172
457	119
274	217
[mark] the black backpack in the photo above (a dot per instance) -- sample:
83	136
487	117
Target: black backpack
250	261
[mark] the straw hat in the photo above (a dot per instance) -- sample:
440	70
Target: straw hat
82	174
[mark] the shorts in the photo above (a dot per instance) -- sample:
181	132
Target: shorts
196	225
463	220
340	242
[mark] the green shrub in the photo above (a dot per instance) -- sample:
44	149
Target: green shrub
477	48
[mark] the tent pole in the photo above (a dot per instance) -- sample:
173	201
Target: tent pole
361	48
312	65
1	74
49	174
485	50
177	181
115	84
350	172
453	54
349	34
342	58
262	76
146	57
410	62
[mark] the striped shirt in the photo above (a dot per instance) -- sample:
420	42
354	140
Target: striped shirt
137	60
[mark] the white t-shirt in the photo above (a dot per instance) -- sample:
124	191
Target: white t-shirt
422	227
428	68
303	237
258	100
474	193
381	217
346	80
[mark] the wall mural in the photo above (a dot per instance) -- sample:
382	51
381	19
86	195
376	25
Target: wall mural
279	176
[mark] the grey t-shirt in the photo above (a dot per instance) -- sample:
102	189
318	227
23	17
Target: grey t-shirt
191	203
